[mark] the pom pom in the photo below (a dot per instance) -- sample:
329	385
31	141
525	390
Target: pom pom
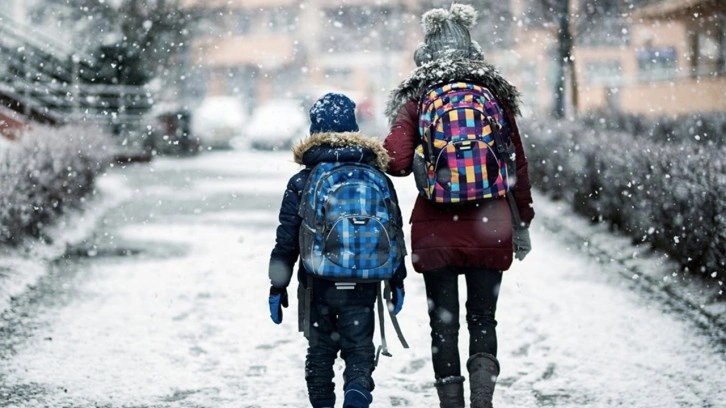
464	14
432	20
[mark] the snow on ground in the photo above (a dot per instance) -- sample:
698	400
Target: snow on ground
190	327
21	267
4	144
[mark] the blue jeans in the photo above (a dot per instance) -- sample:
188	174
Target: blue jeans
442	291
340	320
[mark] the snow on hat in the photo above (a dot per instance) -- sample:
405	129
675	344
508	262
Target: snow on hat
334	112
446	34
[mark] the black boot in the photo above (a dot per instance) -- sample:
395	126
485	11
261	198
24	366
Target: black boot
356	396
483	372
451	392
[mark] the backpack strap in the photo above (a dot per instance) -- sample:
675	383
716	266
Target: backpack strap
427	101
381	298
394	320
383	348
307	299
507	151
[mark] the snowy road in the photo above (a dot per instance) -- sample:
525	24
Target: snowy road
170	310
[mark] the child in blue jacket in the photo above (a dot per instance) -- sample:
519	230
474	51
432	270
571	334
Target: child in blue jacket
338	318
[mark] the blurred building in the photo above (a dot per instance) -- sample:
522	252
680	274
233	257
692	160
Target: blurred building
267	49
674	63
649	58
655	58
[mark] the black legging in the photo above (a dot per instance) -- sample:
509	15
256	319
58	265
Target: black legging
442	291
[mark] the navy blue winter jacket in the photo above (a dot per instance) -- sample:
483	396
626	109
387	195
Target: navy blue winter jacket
319	147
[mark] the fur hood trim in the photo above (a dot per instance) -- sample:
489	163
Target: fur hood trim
343	140
447	70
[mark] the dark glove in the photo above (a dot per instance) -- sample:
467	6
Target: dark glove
397	295
277	300
522	243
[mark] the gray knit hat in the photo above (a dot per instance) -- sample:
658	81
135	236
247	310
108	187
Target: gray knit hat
446	35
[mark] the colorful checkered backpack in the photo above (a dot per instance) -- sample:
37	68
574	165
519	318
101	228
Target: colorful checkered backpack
462	155
350	230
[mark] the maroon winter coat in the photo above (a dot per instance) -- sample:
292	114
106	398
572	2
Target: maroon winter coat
475	234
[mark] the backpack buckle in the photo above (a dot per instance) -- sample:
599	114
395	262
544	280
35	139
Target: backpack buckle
359	221
496	127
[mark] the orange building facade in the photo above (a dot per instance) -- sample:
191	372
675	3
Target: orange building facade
673	62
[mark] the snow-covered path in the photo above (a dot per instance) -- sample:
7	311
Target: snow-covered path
170	310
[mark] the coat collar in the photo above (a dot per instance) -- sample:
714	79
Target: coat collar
343	147
447	70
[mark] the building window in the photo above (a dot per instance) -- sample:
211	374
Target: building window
601	23
282	20
710	55
656	63
607	73
241	21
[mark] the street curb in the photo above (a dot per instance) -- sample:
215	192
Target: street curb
699	297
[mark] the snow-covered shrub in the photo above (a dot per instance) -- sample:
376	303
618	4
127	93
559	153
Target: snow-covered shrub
705	127
45	172
669	192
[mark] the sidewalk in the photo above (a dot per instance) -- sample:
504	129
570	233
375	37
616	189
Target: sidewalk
184	322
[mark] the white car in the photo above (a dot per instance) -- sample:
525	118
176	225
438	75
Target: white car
276	124
217	120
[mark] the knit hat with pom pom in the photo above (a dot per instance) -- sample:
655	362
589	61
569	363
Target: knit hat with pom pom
446	35
334	112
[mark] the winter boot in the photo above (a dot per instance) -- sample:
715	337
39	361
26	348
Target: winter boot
451	392
357	397
483	372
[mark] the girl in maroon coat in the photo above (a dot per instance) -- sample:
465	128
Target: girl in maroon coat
474	239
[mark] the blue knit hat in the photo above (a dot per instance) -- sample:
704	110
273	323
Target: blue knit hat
333	112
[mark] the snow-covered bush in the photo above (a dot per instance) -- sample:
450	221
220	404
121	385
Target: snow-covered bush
45	172
666	191
705	127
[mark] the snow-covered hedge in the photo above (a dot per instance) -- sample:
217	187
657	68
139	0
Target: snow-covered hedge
45	172
706	127
667	191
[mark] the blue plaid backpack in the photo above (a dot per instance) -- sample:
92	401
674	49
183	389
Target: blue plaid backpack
350	230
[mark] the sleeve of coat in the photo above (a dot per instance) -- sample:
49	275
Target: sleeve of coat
522	189
400	274
402	140
287	246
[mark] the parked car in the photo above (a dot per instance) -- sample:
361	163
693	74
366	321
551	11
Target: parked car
217	120
276	124
167	131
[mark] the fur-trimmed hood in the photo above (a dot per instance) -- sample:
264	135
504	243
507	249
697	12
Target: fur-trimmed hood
348	146
445	70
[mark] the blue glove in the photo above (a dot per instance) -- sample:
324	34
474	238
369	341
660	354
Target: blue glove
397	295
277	300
